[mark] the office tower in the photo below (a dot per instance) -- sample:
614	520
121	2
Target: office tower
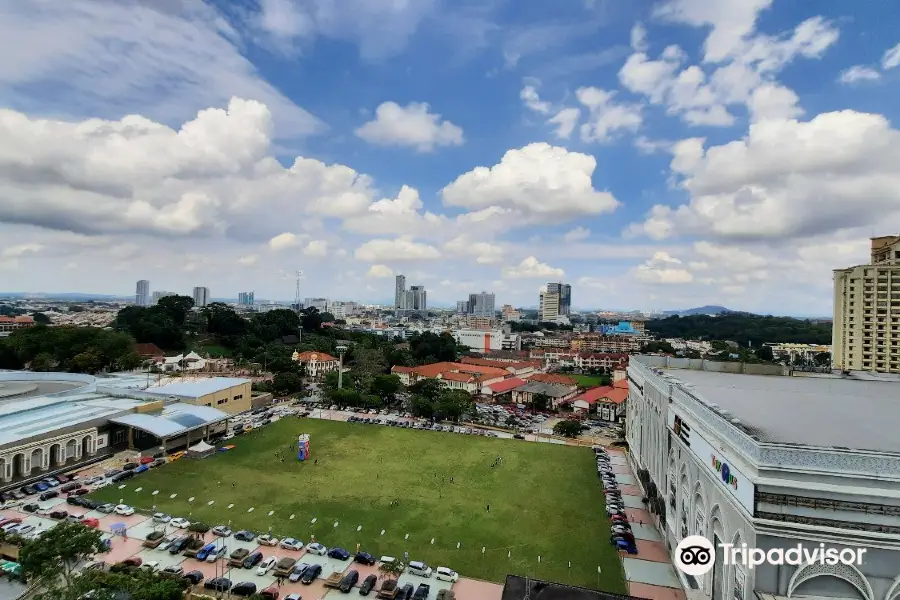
201	297
142	293
416	299
161	294
400	293
320	304
481	305
565	296
548	309
245	298
866	328
462	307
510	313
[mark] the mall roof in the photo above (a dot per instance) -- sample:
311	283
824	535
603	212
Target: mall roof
197	389
828	411
174	420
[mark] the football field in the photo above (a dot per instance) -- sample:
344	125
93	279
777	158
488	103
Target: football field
538	512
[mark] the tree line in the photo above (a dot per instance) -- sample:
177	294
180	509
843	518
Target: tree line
743	328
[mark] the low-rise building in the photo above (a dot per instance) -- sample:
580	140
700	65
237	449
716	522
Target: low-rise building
592	342
519	369
316	364
182	362
469	377
554	378
501	391
557	394
10	324
607	402
227	394
485	341
606	361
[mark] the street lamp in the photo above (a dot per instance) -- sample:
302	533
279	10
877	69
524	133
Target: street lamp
340	351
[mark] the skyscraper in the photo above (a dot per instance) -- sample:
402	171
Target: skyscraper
142	293
548	309
565	296
416	299
866	328
462	307
201	296
245	298
400	293
481	305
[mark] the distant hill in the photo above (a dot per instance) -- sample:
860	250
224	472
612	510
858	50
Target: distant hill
64	296
700	310
743	328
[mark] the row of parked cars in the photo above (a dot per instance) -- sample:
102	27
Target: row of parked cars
621	535
424	425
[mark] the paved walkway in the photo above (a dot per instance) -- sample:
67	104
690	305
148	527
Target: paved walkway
649	573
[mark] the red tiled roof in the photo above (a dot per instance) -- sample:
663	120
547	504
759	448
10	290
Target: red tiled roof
399	369
319	356
506	385
617	356
451	376
621	384
553	378
22	319
435	369
605	393
148	350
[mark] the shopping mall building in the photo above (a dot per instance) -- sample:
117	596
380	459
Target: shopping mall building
751	454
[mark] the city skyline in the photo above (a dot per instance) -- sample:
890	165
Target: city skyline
643	152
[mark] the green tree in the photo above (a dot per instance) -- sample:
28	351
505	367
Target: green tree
287	383
429	389
430	347
44	362
386	387
175	307
540	401
567	428
743	328
40	318
453	404
658	346
421	406
311	319
88	361
128	362
327	317
765	353
56	552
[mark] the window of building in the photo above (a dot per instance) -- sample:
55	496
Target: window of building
739	581
119	437
222	401
238	397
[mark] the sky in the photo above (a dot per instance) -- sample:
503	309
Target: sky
655	155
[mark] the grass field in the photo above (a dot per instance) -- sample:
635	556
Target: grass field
586	380
544	500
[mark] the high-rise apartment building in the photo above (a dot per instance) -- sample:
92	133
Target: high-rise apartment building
548	309
161	294
320	304
866	328
400	293
413	299
462	307
510	313
565	296
481	305
142	293
201	297
245	298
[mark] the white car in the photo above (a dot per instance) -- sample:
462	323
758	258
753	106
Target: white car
266	565
102	484
44	512
267	539
151	565
180	523
167	541
316	548
161	518
292	544
216	554
445	574
124	510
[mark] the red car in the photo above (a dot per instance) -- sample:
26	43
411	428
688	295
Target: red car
95	523
5	522
146	460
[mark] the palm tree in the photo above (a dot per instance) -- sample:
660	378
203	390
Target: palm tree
393	569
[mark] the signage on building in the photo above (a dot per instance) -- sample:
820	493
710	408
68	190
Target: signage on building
722	469
102	440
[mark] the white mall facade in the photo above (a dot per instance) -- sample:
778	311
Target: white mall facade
706	475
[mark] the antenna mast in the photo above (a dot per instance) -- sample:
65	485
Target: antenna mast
297	293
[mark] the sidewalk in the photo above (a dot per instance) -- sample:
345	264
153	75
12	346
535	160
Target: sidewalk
649	573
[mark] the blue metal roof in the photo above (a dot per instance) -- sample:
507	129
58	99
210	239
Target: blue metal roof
197	389
174	420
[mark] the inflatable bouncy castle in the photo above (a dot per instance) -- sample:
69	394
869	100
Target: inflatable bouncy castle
303	447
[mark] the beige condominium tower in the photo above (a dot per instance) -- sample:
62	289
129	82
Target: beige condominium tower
866	331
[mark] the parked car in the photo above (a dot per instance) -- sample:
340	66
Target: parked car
195	577
270	593
419	568
124	510
422	592
292	544
406	592
246	536
221	530
32	507
244	588
216	554
134	561
179	544
176	570
266	565
446	574
205	551
80	491
252	560
316	548
364	558
59	514
368	585
161	518
348	581
48	494
180	523
339	554
297	572
311	574
68	487
446	594
129	466
219	584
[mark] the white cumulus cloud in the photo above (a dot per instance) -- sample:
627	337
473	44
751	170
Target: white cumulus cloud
411	126
858	73
532	268
396	250
379	272
663	269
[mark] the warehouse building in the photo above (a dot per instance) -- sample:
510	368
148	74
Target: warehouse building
752	454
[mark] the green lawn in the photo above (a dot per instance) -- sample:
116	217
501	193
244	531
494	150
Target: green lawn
586	380
211	348
544	500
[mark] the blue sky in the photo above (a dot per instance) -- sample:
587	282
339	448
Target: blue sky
655	155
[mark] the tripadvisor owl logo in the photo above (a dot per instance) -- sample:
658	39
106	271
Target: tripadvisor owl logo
695	555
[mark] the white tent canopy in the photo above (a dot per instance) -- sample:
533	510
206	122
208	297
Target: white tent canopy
201	450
